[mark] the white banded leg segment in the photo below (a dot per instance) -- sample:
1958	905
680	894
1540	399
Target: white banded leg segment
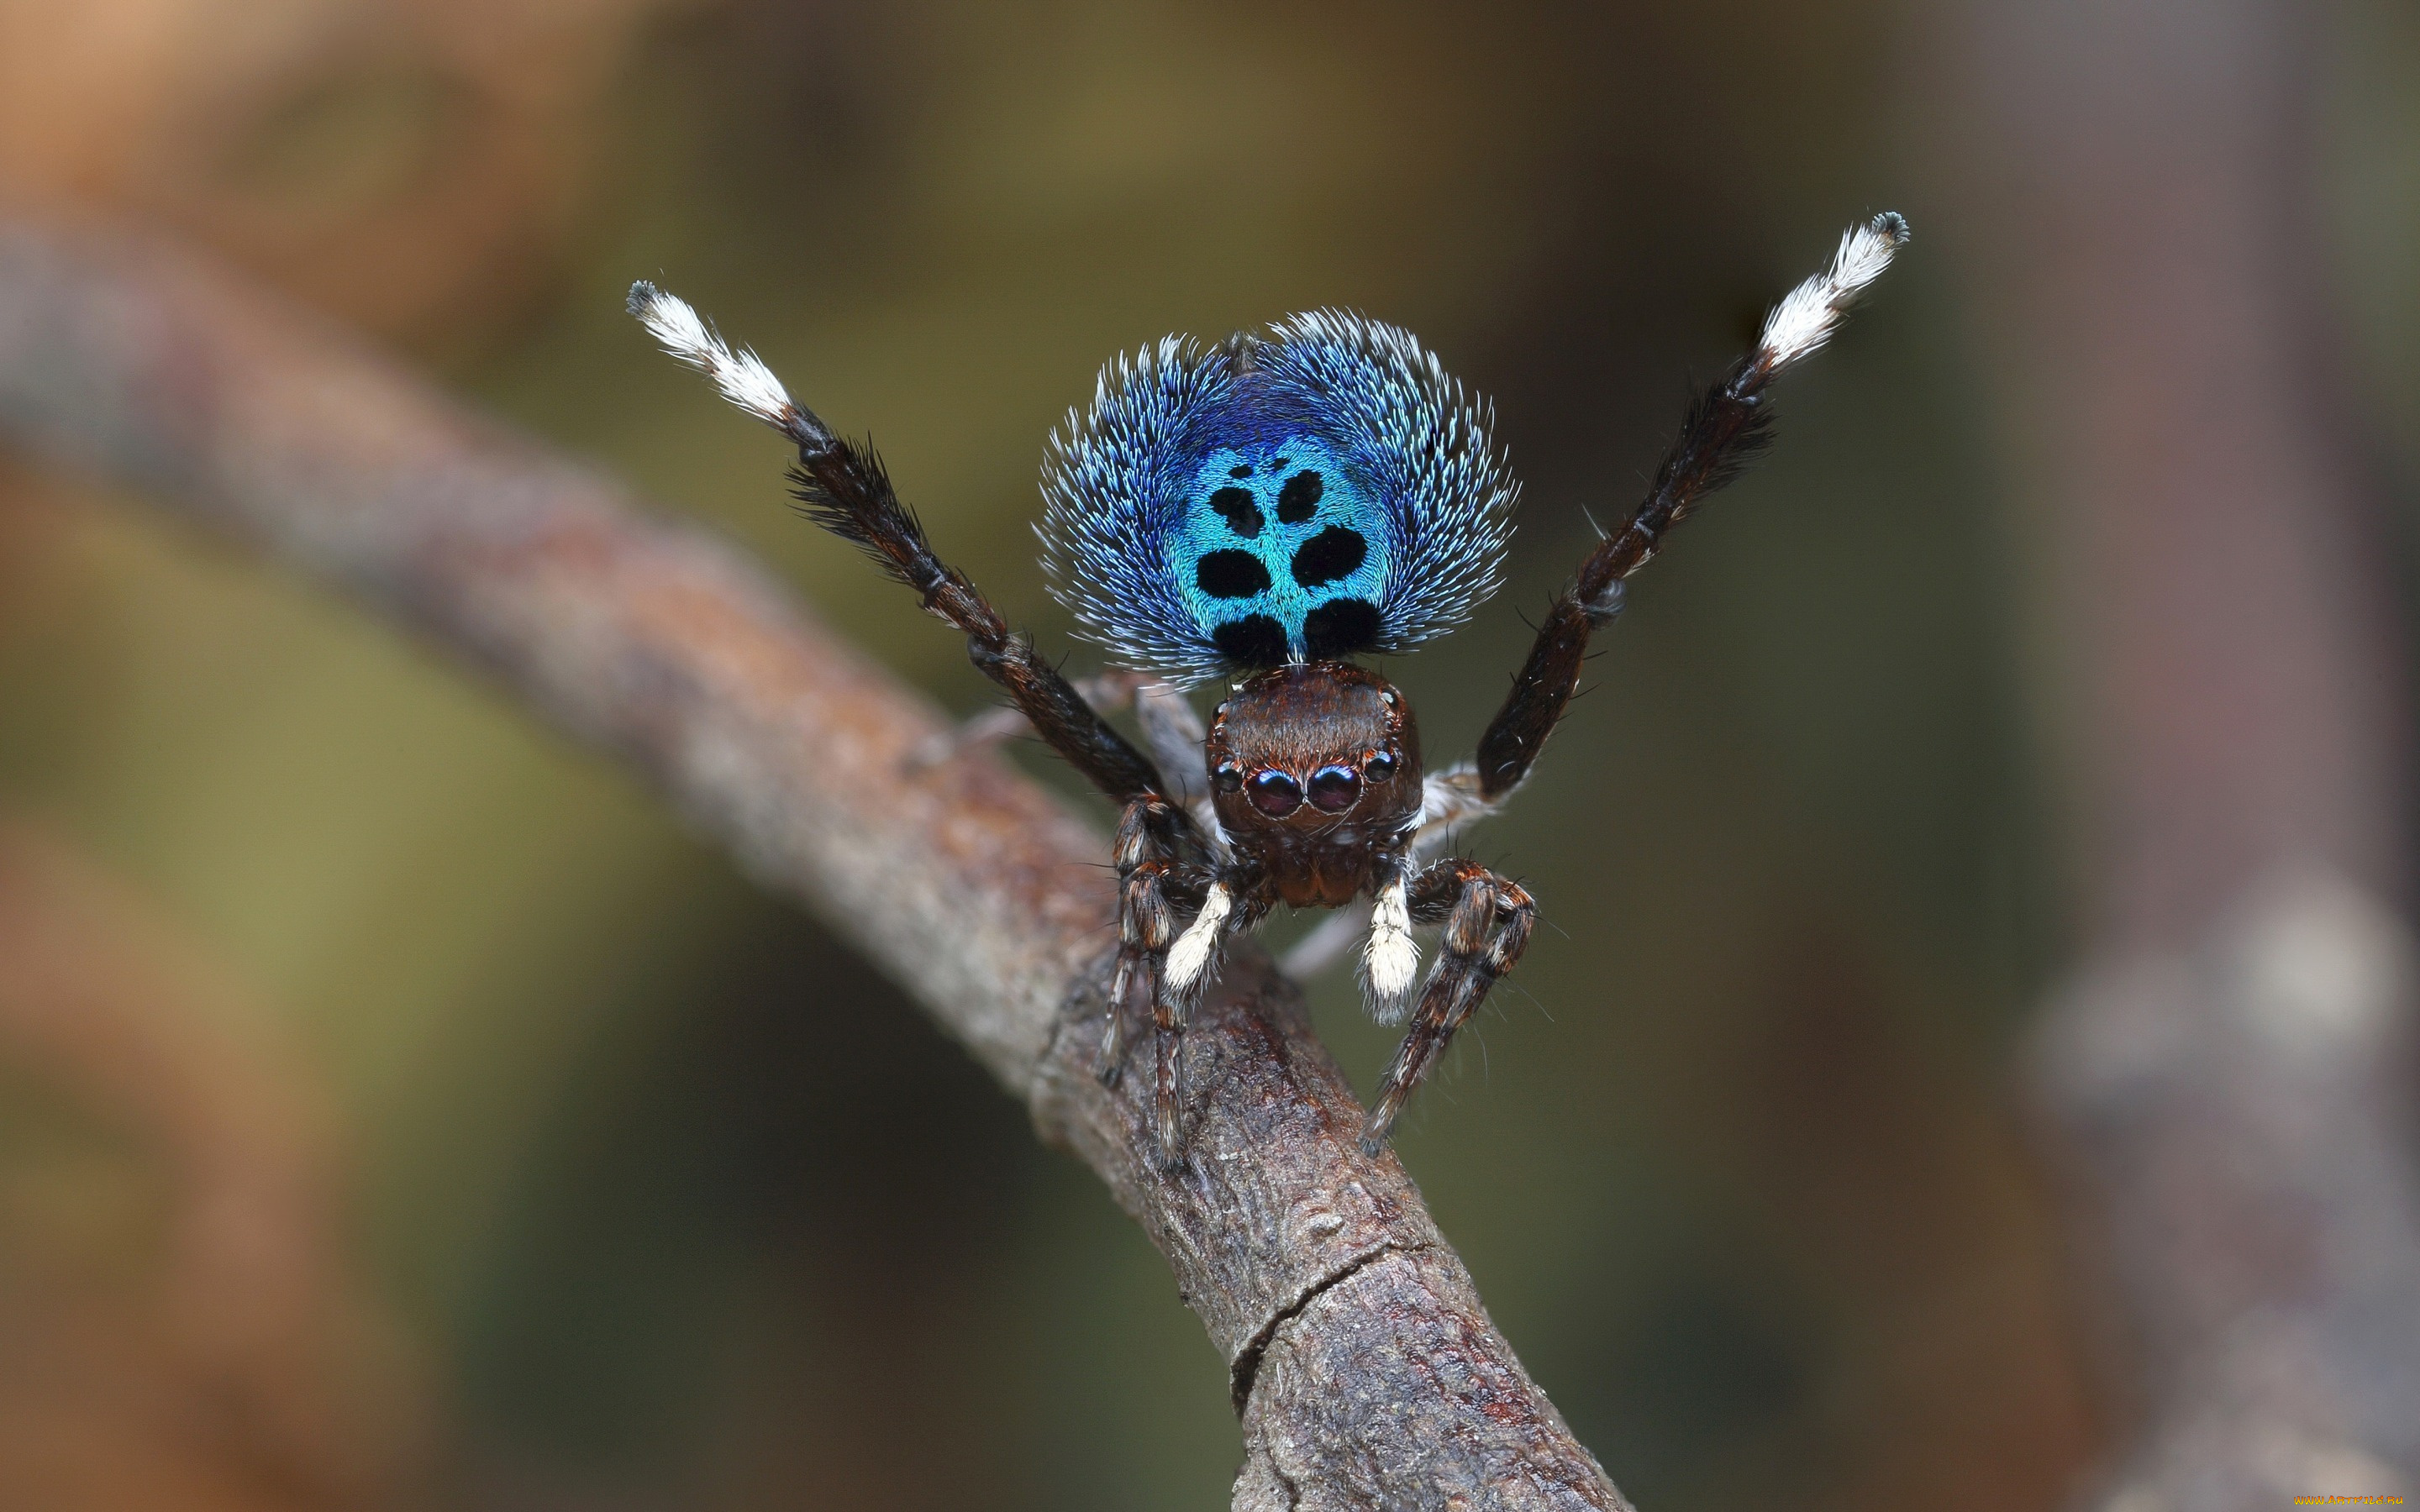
741	375
1191	958
1391	962
1807	315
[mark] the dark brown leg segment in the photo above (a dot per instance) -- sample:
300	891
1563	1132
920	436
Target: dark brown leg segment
1487	924
1162	861
842	486
1724	429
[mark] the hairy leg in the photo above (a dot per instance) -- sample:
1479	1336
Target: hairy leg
1724	429
842	486
1154	882
1487	922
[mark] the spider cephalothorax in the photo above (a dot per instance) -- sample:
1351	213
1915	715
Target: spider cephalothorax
1265	510
1315	779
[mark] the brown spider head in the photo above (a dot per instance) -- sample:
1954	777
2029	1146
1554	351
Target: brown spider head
1315	772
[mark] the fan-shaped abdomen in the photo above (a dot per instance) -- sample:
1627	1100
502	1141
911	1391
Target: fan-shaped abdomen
1282	555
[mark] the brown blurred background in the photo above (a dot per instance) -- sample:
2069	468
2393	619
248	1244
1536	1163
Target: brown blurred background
398	1110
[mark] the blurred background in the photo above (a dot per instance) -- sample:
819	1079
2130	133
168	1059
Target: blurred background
398	1110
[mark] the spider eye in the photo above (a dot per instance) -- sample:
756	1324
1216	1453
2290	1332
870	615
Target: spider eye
1380	767
1335	789
1275	793
1228	777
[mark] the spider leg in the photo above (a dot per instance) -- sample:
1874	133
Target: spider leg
1726	428
842	486
1146	926
1487	922
1159	971
1390	958
1164	862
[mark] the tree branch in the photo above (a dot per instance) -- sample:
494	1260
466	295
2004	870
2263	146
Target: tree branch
1364	1368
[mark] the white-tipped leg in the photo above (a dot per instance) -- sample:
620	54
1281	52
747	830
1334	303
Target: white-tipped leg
1807	315
1196	950
1390	962
742	376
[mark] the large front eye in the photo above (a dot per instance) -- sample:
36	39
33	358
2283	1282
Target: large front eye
1335	789
1274	793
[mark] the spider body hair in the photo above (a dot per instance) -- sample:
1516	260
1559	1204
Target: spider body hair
1265	510
1320	491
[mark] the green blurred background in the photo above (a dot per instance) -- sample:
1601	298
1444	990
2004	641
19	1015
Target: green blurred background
582	1175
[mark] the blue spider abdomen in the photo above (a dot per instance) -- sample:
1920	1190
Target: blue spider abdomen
1313	495
1283	554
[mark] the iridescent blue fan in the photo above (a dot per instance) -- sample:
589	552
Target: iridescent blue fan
1317	493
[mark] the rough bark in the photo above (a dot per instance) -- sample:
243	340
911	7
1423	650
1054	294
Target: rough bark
1364	1368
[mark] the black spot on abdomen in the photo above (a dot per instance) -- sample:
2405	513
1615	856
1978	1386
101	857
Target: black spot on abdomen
1334	552
1242	517
1232	575
1299	499
1254	641
1342	629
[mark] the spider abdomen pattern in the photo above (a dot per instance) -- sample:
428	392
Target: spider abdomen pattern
1317	491
1261	511
1283	554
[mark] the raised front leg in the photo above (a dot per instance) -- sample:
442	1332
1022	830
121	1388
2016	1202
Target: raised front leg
1487	921
842	486
1726	426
